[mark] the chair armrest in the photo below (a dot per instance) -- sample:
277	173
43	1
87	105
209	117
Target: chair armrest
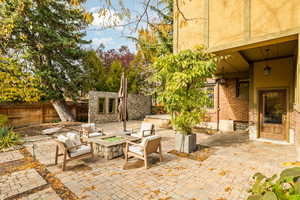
143	132
133	143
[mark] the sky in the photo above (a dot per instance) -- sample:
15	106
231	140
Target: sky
111	38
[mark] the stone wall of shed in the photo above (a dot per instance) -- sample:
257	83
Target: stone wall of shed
138	107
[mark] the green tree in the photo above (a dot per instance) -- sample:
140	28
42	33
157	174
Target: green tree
16	85
114	76
181	81
154	42
94	78
47	36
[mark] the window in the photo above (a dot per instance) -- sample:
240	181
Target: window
211	90
101	105
242	89
112	106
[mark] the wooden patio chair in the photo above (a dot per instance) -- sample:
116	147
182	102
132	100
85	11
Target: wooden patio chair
147	129
90	130
72	150
149	145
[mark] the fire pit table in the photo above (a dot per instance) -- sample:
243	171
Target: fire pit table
111	146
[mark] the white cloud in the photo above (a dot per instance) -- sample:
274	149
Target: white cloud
94	9
104	18
97	41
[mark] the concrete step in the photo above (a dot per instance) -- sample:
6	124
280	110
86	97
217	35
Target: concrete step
161	121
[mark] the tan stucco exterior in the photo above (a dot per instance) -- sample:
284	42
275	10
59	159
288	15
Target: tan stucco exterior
225	24
244	29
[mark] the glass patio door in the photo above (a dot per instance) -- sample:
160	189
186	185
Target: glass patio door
273	114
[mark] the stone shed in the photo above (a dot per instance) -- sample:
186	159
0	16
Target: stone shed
103	106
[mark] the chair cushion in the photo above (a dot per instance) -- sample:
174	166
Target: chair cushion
135	135
146	139
62	138
136	149
75	139
83	149
95	134
66	141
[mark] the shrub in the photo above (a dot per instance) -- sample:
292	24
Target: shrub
3	120
286	187
180	80
8	137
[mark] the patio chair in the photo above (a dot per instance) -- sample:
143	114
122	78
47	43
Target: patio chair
90	130
73	148
147	129
149	145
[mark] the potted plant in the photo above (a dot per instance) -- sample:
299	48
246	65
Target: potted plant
180	80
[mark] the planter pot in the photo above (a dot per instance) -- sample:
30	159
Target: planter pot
185	143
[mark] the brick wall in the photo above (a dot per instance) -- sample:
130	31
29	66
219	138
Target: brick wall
231	107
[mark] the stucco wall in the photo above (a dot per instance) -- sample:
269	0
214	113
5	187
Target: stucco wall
226	21
138	107
190	32
224	24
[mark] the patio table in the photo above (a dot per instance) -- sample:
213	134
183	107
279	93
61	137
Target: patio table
111	146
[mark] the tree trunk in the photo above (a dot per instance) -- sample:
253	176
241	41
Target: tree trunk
63	111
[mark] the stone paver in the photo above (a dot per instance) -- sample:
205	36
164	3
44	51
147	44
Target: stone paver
46	194
10	156
19	182
226	174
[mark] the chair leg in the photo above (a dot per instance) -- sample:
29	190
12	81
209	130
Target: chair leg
146	162
126	157
92	150
56	155
65	161
160	153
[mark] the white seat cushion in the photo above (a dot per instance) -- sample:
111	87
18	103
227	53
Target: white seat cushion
95	134
65	140
83	149
135	135
146	139
136	149
62	138
75	139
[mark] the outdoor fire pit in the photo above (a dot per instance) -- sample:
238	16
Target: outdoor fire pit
111	146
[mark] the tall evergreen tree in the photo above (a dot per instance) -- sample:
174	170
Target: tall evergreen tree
47	37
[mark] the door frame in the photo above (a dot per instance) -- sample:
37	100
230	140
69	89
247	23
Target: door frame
266	89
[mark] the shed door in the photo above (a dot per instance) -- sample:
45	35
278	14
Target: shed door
273	114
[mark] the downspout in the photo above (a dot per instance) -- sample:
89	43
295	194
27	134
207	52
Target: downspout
218	105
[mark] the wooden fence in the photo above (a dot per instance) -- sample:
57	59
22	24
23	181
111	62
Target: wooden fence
29	114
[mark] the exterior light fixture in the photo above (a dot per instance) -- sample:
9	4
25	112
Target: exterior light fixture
222	81
267	70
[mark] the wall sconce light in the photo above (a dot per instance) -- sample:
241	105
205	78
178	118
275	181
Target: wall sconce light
222	81
267	70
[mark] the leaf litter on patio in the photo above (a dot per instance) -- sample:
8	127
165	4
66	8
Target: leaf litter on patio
201	154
